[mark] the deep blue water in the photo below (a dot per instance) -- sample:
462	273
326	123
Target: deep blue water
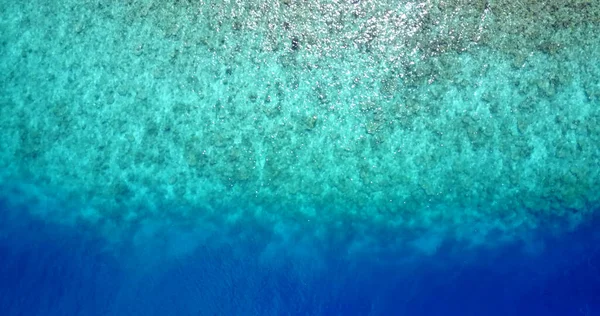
47	270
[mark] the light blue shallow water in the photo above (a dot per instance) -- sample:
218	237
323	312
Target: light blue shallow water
299	157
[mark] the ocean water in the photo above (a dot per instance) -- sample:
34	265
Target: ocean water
295	157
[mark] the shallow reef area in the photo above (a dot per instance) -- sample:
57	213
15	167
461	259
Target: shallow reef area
366	125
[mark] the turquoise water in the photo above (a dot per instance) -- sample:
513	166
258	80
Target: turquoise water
387	131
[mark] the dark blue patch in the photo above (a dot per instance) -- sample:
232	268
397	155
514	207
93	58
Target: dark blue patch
47	270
